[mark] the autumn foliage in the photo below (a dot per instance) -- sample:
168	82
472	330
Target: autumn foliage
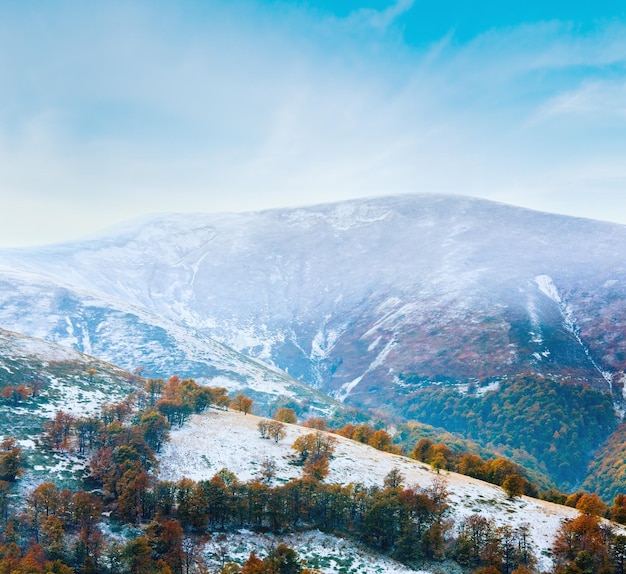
58	531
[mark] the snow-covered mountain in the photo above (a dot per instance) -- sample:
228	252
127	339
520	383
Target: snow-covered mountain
362	298
137	338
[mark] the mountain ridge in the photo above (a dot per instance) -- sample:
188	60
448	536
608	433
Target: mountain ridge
366	300
185	245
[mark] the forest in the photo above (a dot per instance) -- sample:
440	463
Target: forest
60	531
552	426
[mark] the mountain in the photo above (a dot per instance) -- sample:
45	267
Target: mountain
352	295
370	301
138	339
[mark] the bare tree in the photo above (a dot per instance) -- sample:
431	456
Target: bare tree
276	430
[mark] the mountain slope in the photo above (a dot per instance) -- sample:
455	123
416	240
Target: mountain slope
347	296
217	440
137	338
56	379
369	300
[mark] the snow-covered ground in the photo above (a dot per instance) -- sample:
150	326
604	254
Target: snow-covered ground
299	288
220	439
322	551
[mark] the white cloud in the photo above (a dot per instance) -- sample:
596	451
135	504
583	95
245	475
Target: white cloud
592	99
133	110
382	19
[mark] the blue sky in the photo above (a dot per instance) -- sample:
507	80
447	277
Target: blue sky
109	110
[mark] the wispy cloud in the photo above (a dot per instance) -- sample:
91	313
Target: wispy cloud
597	100
105	114
384	18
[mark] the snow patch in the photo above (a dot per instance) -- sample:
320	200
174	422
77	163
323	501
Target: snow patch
335	552
324	341
347	388
548	288
374	344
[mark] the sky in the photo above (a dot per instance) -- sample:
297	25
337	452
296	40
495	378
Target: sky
110	110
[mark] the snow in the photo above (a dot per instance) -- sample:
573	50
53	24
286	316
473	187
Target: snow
313	545
548	288
226	439
14	345
323	341
379	360
312	277
479	391
347	388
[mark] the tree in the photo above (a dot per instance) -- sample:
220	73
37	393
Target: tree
286	415
476	532
87	432
11	460
4	500
35	386
618	510
316	467
618	554
57	431
155	429
276	430
362	433
318	423
318	443
154	388
138	556
439	493
268	469
439	462
166	539
263	427
380	440
514	485
41	504
591	504
14	394
422	448
394	478
174	411
499	468
53	538
221	400
254	565
582	543
472	465
283	560
242	403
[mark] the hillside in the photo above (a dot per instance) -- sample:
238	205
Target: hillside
377	303
204	447
217	440
138	339
340	292
54	378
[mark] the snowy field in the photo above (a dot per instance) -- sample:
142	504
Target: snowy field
219	439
